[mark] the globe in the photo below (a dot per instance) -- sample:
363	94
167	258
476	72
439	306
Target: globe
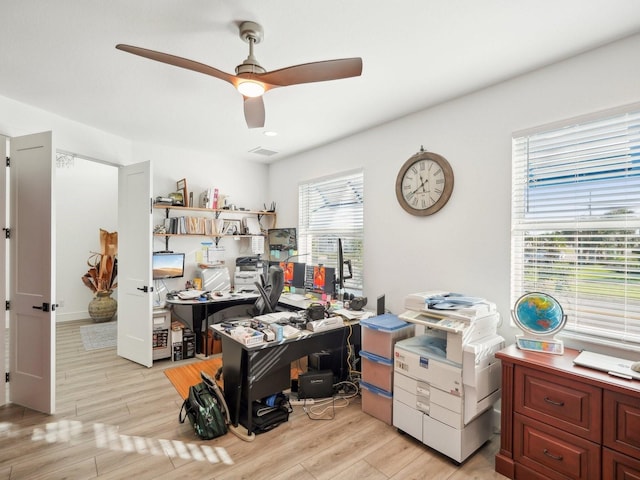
539	314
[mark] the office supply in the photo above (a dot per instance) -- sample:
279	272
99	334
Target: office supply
605	363
447	379
249	270
247	336
190	294
325	324
289	331
167	265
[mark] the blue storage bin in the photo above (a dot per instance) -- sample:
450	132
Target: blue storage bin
380	333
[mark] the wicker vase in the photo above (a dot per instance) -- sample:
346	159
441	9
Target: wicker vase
102	307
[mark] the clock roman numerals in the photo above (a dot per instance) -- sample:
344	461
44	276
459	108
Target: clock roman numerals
424	183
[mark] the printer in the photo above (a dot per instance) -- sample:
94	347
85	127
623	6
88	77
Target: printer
446	378
249	270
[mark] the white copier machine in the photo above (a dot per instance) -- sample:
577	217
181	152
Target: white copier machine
446	378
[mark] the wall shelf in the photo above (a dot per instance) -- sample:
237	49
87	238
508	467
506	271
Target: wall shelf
228	214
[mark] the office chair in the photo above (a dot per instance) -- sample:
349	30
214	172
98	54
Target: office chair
265	303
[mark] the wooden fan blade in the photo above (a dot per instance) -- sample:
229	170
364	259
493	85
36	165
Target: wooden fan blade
314	72
254	112
178	62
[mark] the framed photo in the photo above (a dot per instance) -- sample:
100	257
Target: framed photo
177	199
181	186
232	227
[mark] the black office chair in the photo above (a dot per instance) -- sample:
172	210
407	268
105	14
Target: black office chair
265	303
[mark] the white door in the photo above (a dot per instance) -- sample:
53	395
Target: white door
3	264
32	325
135	287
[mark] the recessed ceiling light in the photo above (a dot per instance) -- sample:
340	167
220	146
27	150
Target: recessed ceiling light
270	133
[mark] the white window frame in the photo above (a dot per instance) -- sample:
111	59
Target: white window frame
330	208
575	223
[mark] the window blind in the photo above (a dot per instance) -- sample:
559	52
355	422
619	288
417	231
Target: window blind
576	224
332	208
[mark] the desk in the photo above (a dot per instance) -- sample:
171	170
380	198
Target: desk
203	309
252	373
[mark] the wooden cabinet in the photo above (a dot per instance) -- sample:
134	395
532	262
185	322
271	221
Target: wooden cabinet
561	421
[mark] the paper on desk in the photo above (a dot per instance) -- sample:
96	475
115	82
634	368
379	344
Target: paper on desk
352	314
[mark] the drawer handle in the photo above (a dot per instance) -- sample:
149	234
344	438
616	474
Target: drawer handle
553	402
551	455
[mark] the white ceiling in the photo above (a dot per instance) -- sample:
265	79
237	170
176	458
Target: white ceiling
60	57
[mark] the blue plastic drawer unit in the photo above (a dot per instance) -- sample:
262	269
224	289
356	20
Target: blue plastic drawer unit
377	402
377	370
380	333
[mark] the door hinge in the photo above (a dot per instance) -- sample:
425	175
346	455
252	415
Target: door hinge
7	232
8	162
7	305
6	377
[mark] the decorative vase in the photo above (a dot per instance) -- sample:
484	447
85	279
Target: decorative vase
102	307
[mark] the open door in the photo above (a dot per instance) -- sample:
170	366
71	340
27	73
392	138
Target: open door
3	265
32	325
135	287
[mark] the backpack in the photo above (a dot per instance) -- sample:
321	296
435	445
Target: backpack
204	411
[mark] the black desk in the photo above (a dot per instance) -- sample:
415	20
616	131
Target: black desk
201	310
252	373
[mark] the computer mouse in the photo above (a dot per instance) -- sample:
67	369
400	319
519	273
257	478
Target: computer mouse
635	366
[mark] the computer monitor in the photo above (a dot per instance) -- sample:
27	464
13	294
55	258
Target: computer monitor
321	279
341	264
167	265
282	239
294	273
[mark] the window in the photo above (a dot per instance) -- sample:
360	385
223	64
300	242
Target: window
332	208
576	224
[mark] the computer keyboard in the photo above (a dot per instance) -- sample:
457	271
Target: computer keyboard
295	297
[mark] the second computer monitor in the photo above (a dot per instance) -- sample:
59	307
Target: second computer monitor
294	273
321	279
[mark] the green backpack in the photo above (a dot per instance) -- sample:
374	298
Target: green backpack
204	412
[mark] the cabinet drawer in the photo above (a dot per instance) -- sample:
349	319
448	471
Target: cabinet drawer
621	418
553	453
570	405
616	466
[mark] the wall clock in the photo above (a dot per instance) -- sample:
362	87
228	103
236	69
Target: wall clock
424	183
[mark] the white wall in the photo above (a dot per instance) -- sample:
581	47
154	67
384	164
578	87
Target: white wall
244	182
464	247
86	201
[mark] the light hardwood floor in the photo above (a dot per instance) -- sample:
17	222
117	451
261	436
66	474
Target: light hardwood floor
117	420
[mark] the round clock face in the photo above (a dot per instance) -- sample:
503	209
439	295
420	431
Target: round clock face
424	183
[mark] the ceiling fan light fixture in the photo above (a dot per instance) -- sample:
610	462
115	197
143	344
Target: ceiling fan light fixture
249	88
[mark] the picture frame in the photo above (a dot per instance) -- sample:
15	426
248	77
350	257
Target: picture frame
232	227
181	186
177	199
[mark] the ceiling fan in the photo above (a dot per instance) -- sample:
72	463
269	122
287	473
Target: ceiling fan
251	79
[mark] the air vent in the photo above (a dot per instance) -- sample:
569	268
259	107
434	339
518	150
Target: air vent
262	151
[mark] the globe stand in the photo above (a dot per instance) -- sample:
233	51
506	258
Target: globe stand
537	344
539	316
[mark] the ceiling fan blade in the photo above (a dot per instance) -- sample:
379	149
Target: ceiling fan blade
314	72
178	62
254	112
